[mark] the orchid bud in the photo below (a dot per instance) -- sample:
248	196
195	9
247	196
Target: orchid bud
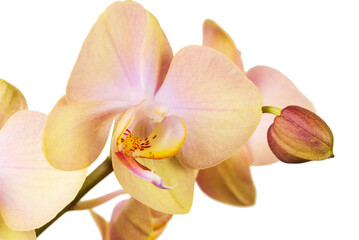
298	135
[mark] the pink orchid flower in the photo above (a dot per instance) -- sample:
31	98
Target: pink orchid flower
132	220
32	192
174	114
231	182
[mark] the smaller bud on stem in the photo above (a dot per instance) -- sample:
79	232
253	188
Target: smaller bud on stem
298	135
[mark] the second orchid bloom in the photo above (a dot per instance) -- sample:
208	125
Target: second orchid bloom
174	114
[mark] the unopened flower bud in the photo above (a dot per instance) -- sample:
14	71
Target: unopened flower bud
298	135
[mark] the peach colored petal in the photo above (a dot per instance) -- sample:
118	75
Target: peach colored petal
159	222
230	181
128	161
11	101
75	134
174	201
124	57
32	192
277	90
102	225
215	37
130	220
220	106
8	234
133	220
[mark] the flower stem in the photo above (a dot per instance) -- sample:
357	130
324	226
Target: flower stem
272	110
92	180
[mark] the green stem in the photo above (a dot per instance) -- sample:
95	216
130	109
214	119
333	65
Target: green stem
272	110
92	180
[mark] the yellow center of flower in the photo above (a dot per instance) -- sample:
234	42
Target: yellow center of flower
164	141
131	143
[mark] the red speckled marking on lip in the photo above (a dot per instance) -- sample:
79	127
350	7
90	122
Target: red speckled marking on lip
132	143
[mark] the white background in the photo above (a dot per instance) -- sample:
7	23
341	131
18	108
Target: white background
315	43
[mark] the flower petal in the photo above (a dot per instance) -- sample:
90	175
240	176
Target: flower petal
138	169
9	234
102	225
124	57
32	192
11	101
159	222
133	220
215	37
279	91
219	104
174	201
75	134
230	181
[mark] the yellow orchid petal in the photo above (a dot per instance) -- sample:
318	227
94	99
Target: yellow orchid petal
219	104
125	57
102	225
159	222
230	181
8	234
174	201
75	134
215	37
32	191
139	170
11	101
133	220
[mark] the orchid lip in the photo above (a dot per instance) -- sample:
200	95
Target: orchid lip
140	170
164	141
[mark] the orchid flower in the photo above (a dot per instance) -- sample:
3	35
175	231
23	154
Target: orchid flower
132	220
174	114
231	182
32	192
